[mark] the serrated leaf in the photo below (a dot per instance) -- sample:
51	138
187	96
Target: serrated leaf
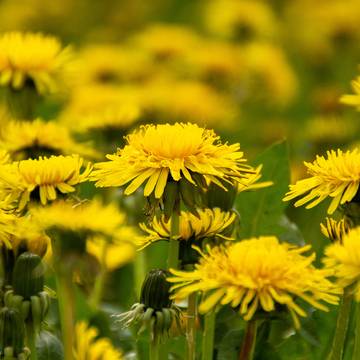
261	210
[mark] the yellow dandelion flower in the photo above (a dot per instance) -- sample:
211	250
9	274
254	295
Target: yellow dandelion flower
256	274
165	41
32	57
47	175
108	63
338	176
241	19
24	139
335	230
88	345
99	107
208	223
156	154
86	217
353	99
192	100
8	226
4	157
113	255
344	258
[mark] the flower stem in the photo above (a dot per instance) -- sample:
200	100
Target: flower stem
31	339
191	327
356	353
248	346
208	338
66	300
342	324
154	350
173	256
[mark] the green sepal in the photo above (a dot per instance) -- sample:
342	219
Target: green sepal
28	275
170	199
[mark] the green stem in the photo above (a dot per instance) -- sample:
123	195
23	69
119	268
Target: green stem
154	350
139	271
66	301
356	353
97	292
191	327
342	324
31	339
248	346
208	338
173	256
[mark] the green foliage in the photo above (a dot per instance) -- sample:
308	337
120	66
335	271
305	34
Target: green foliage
49	347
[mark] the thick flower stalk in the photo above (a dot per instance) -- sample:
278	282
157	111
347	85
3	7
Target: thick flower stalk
337	177
257	274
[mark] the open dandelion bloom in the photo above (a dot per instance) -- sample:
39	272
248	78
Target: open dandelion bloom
209	223
99	107
8	226
34	58
353	99
24	139
120	251
344	258
88	217
47	175
88	345
256	274
156	154
338	176
335	230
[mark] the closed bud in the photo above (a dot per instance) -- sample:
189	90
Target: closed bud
12	330
155	290
28	275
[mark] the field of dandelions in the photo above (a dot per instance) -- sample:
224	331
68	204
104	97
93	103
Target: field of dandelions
179	180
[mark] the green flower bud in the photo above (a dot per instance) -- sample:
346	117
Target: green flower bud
28	275
218	197
12	331
155	290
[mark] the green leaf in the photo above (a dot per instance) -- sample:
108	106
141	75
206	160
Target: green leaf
261	210
49	347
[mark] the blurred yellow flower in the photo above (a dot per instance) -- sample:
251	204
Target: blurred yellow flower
45	175
338	176
89	346
164	41
88	217
354	99
257	274
156	154
24	139
241	19
100	107
344	259
113	255
209	223
335	230
32	58
8	225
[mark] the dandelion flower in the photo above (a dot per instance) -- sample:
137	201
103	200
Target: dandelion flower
47	175
34	58
353	99
89	346
207	224
335	230
344	258
256	274
156	154
88	217
337	177
24	139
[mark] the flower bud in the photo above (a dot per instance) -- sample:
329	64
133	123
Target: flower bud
155	290
218	197
12	330
28	275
